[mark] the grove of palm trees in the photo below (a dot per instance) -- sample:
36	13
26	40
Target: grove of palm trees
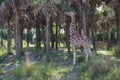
37	41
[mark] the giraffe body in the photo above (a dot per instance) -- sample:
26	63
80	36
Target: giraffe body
78	40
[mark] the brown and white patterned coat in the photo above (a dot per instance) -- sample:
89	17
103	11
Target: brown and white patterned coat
78	40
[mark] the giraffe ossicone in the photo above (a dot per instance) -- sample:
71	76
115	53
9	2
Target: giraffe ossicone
78	40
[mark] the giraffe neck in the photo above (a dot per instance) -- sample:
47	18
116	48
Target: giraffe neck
72	29
72	22
72	18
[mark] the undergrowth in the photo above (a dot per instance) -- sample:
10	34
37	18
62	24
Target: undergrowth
3	53
99	68
37	72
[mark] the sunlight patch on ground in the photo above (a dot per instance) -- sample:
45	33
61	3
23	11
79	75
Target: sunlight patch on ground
105	52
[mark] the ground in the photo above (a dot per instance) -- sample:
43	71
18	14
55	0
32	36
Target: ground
61	58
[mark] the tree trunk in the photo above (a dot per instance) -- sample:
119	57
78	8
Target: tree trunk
56	45
18	32
117	24
52	36
48	38
108	39
1	38
44	39
8	37
84	23
68	34
93	41
38	42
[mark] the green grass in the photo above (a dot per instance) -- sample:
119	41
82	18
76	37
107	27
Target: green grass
47	71
99	68
104	52
3	53
3	50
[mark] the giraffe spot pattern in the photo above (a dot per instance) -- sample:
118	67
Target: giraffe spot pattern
76	39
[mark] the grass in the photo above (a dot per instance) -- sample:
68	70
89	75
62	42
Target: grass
104	52
3	50
3	53
100	68
47	71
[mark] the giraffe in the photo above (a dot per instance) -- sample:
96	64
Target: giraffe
78	40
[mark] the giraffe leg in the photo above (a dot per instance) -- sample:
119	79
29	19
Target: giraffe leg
86	54
74	56
90	52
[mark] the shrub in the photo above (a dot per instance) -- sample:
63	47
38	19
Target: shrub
117	51
37	72
113	75
3	53
2	71
100	67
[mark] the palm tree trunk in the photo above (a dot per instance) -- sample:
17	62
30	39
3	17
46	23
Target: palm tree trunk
108	39
8	37
84	23
18	32
1	38
117	24
52	36
67	34
44	39
38	43
93	41
47	38
56	46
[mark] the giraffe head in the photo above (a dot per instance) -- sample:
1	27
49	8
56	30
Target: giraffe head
71	14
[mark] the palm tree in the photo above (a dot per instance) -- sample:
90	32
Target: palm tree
16	6
115	4
6	13
47	13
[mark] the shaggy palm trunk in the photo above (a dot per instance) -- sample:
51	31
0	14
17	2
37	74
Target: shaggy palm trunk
43	31
52	36
47	38
1	38
59	37
92	22
84	23
18	32
38	43
108	39
56	46
117	24
93	40
67	34
8	37
88	31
